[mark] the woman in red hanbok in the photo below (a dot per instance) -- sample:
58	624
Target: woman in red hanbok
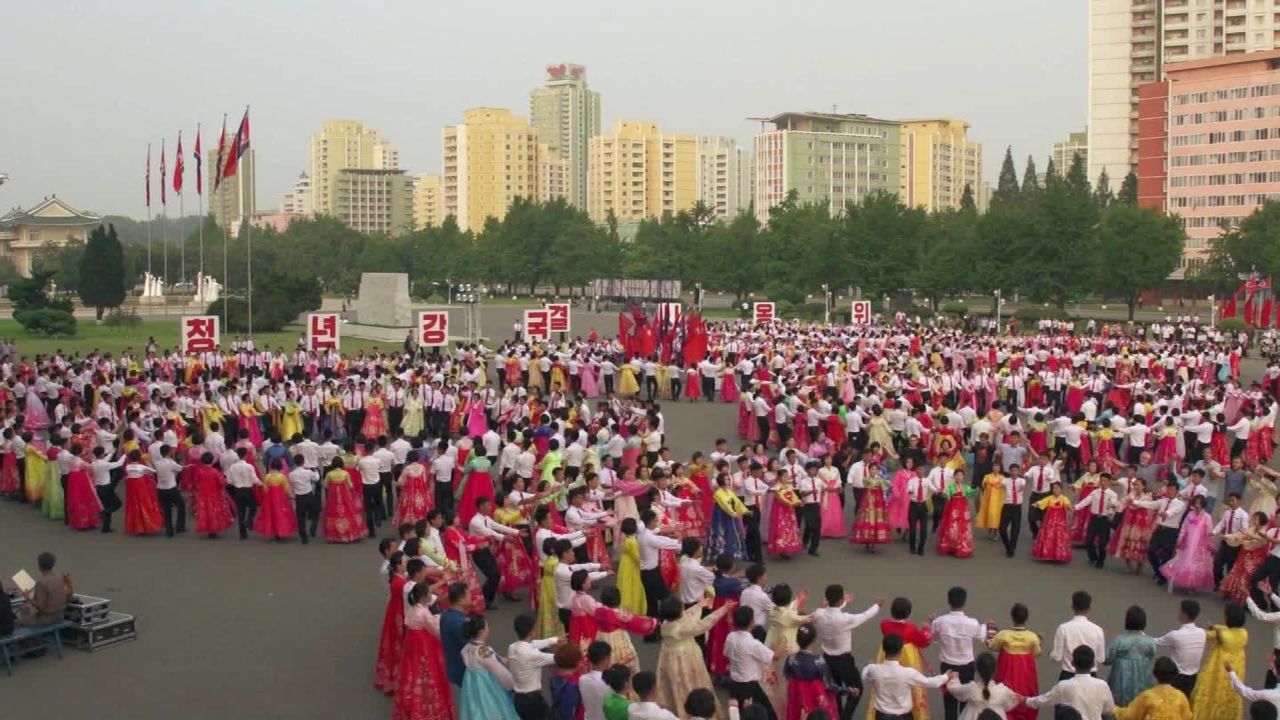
1016	663
10	480
955	532
1084	487
1254	548
1218	445
616	626
83	507
215	512
784	532
387	668
276	518
142	504
692	521
343	515
422	689
458	546
748	429
518	569
416	497
1053	543
375	417
806	675
700	476
728	386
898	499
871	527
832	509
1130	541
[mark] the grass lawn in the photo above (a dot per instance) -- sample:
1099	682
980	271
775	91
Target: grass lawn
92	337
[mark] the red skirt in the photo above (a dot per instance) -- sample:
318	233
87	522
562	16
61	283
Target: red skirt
518	571
1053	544
1017	671
276	518
717	663
479	484
415	500
422	688
597	549
83	505
1235	586
1080	521
784	533
213	507
872	525
806	696
343	514
705	498
955	534
141	507
390	645
670	568
10	483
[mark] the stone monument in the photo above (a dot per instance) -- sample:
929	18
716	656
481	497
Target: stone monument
207	289
384	300
152	288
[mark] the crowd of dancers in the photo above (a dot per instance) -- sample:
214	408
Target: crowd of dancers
542	468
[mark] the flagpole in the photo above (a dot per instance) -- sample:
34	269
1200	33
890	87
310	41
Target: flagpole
182	239
248	235
148	211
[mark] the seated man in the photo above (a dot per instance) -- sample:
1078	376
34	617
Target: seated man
47	601
6	613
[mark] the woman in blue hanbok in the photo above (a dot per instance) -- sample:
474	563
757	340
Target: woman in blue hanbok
486	683
725	537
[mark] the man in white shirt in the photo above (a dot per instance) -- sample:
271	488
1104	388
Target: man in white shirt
1089	696
695	577
306	501
525	660
748	660
592	686
754	595
1186	646
1039	479
1271	694
1015	490
1103	505
1168	521
241	477
442	472
955	633
1272	619
370	469
562	578
102	469
834	628
483	525
1077	631
644	684
1234	519
170	497
753	492
891	683
650	542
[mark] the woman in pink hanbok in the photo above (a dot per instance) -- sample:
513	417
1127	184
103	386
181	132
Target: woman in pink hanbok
832	508
898	500
748	429
477	420
36	418
588	372
1191	567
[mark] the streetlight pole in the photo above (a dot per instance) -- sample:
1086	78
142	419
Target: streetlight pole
826	304
998	303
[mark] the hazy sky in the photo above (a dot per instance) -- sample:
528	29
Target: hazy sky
87	85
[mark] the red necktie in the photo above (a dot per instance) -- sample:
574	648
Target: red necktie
1099	510
1230	516
920	491
1013	483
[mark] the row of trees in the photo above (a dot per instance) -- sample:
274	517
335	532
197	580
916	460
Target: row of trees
1052	238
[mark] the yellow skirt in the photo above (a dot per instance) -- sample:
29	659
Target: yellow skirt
989	508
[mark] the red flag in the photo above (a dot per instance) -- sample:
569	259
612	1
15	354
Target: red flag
1248	309
199	163
1264	317
222	145
624	333
162	176
239	146
177	166
148	181
1228	309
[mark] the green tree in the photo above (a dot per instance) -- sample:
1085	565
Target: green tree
1128	189
1060	267
1007	187
1030	181
101	282
1050	174
945	252
883	240
1253	245
1140	247
1102	195
966	200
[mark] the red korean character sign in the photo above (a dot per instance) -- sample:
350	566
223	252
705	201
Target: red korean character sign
323	331
860	312
199	333
537	325
762	312
558	317
433	328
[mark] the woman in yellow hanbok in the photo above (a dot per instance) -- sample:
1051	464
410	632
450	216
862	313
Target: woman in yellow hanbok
992	503
290	418
535	371
548	617
681	667
627	384
1213	697
663	378
34	474
210	414
633	597
558	381
784	620
914	639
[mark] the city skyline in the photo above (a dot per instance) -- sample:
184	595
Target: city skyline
1013	83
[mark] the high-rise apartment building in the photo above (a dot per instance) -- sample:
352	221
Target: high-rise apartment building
725	175
554	175
299	200
343	144
825	157
1065	151
938	160
428	201
234	197
637	171
1209	146
490	159
567	115
372	201
1130	40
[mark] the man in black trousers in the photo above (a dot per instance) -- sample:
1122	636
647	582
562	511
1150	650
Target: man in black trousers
754	490
306	501
650	542
917	513
483	525
809	486
955	633
1164	539
834	628
1015	487
1104	503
